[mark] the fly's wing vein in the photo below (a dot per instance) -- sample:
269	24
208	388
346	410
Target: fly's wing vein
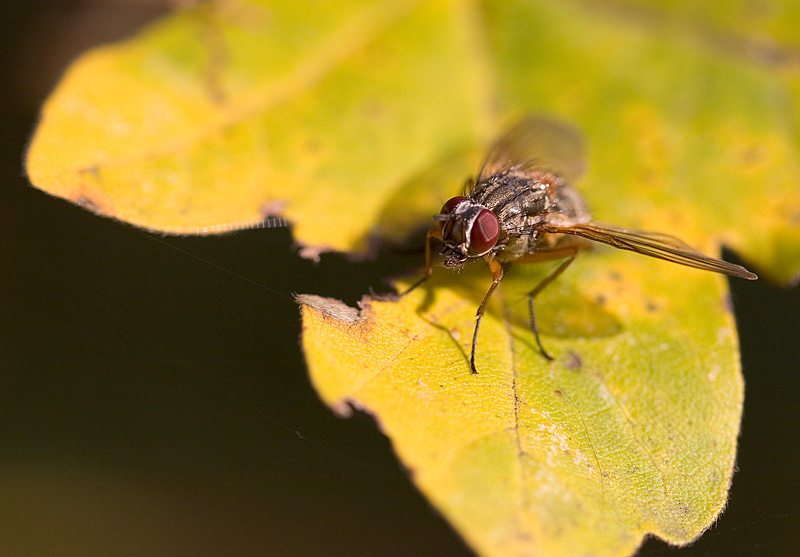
653	244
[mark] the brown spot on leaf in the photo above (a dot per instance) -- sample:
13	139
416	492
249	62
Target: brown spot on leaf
355	323
272	212
573	361
793	219
92	203
94	170
88	204
273	208
312	146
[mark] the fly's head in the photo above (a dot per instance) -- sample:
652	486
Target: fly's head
469	230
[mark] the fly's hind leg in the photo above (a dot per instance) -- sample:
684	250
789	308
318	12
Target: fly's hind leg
539	287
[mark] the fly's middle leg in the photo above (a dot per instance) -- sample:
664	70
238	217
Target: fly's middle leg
497	275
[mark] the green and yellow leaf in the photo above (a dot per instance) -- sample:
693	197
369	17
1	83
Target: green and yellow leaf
356	119
630	432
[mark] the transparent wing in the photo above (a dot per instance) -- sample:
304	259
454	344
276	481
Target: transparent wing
537	143
654	244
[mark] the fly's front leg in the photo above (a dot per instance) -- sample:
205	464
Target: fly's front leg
497	275
433	233
532	294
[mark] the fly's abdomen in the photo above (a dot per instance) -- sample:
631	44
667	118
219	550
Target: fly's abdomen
569	207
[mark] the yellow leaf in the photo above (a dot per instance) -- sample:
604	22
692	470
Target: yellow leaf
211	120
355	120
631	431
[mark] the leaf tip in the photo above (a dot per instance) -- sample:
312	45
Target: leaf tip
329	308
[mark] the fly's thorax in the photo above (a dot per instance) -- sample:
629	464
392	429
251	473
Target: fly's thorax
526	201
518	194
522	199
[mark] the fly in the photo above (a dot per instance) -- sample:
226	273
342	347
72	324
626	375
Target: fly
522	208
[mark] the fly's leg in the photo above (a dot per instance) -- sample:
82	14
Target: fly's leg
532	294
428	266
497	275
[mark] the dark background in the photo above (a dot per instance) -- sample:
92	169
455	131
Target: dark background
153	396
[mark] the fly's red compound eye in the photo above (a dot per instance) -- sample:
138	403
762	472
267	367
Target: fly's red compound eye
484	233
449	205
